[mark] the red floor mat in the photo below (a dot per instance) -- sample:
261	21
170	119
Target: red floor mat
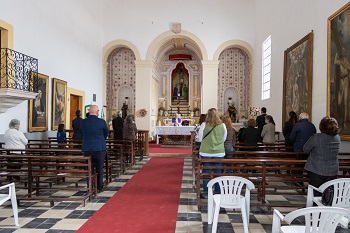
148	202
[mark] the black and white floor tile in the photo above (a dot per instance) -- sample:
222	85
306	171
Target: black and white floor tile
67	217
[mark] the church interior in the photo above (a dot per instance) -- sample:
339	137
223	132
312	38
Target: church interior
155	59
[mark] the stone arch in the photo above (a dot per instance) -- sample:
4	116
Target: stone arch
240	44
162	38
112	45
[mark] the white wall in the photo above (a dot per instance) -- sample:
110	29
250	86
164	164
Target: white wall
66	37
214	22
287	22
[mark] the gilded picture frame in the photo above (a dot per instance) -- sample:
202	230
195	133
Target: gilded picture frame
338	69
59	102
38	108
297	78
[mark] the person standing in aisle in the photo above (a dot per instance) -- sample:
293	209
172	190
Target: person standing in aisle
95	132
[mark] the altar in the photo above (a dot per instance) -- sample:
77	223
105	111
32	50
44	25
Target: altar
174	135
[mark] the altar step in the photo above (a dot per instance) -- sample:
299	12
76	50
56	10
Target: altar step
182	109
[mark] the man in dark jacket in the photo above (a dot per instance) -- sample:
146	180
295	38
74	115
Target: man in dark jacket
76	126
301	132
95	132
117	124
260	120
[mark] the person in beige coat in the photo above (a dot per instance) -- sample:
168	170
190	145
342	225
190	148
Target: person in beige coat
268	132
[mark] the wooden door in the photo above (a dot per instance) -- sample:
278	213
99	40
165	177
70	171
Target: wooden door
74	106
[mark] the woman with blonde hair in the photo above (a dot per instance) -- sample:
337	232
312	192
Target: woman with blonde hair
231	136
212	134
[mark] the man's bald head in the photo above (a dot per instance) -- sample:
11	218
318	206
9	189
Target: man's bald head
93	110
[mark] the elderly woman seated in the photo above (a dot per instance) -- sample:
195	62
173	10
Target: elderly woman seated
15	139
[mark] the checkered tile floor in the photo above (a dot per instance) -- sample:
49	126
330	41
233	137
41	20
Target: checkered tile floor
67	217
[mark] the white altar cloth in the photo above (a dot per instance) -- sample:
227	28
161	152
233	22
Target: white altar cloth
172	130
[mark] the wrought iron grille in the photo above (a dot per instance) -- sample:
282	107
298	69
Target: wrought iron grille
18	71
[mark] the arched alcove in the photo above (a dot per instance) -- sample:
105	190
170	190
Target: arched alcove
234	78
120	80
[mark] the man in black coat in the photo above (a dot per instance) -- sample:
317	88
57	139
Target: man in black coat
95	132
301	132
117	124
76	126
260	120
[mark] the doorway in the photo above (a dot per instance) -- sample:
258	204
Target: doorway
75	101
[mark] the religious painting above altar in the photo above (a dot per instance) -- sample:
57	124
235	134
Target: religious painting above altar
179	83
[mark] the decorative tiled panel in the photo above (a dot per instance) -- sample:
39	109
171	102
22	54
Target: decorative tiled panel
121	73
234	75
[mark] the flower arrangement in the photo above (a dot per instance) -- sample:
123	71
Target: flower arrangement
161	108
143	112
254	112
196	109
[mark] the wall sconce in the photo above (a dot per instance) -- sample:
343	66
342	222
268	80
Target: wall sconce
229	102
126	101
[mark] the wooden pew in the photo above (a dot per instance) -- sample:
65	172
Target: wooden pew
267	147
128	149
116	157
50	172
142	141
268	173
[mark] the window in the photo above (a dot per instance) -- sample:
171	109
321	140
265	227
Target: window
266	68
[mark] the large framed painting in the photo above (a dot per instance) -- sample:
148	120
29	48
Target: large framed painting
297	77
338	57
38	115
59	98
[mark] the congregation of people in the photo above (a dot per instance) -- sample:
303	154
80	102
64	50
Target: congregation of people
91	131
215	136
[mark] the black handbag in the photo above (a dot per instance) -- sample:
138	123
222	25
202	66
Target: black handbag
327	196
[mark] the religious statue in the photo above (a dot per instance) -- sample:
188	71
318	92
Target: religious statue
175	91
184	91
180	81
232	112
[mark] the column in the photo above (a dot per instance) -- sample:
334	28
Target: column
143	93
209	93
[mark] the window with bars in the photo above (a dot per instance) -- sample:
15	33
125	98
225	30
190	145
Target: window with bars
266	68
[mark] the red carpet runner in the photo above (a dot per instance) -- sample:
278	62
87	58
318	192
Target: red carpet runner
148	202
154	148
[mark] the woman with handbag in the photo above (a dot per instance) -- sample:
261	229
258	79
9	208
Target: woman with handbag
212	134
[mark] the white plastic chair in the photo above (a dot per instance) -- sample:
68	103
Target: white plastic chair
317	220
229	197
10	196
341	196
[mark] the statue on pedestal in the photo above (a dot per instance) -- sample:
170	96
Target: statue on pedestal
232	111
124	110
